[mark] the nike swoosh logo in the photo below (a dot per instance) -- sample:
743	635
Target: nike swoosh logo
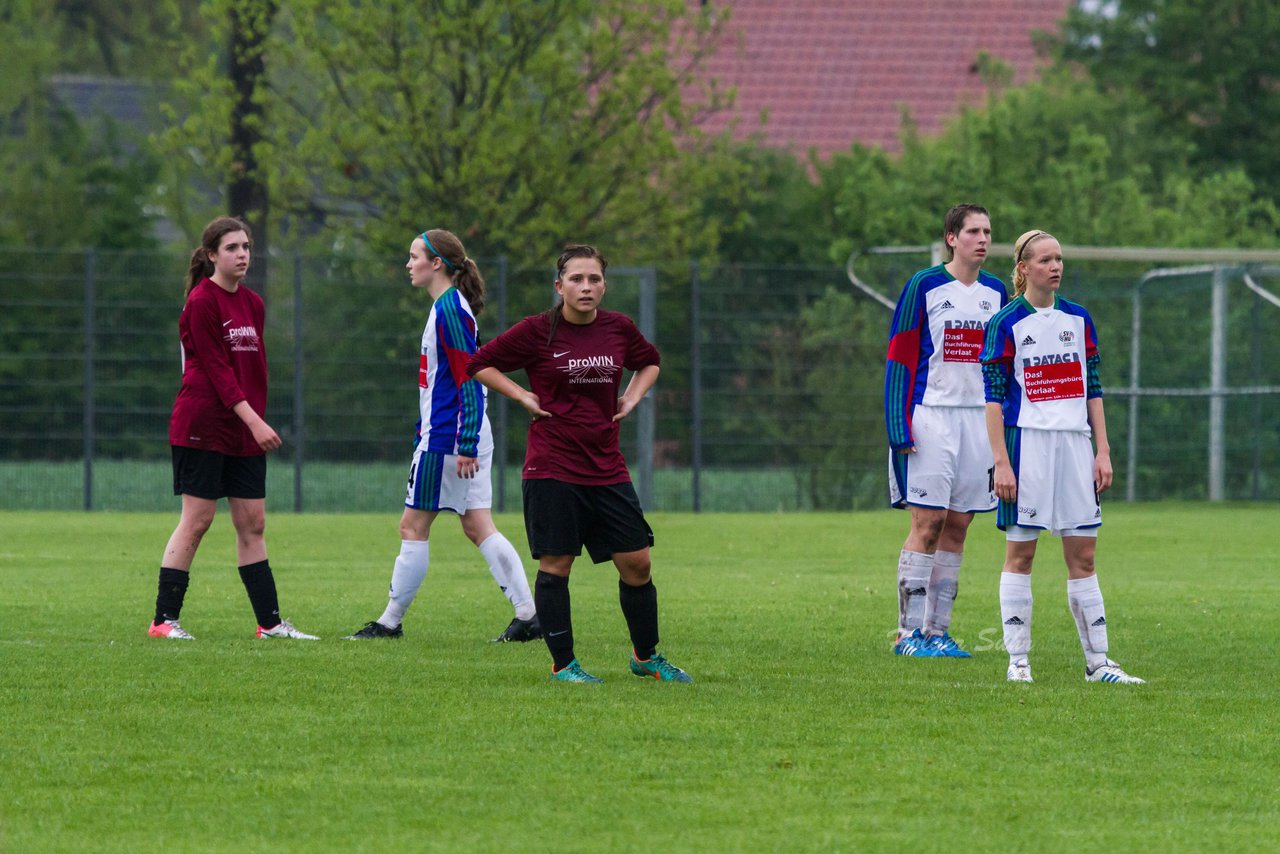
557	634
228	321
558	355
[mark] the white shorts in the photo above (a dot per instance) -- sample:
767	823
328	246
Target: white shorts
951	466
434	483
1054	470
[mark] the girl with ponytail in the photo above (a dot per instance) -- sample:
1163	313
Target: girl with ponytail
453	452
217	434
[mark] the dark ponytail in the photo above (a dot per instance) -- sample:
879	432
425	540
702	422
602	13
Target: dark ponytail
469	281
201	267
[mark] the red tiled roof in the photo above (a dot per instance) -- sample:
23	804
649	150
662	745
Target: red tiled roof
832	72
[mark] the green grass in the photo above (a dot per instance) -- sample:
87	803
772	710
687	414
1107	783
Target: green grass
333	487
801	731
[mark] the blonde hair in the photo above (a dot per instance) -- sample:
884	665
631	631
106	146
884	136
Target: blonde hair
1019	249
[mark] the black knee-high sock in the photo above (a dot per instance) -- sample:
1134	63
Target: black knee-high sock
551	598
172	591
260	584
640	607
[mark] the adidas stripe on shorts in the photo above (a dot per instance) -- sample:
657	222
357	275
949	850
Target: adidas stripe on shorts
951	466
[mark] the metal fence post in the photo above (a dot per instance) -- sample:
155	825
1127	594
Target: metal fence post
499	425
299	400
1255	376
1135	354
90	334
645	426
695	384
1217	383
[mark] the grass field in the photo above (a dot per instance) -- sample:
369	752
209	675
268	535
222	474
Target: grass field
801	731
146	485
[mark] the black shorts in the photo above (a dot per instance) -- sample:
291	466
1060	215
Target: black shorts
209	474
560	518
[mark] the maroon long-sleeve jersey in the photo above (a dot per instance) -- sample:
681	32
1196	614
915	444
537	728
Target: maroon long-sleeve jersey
224	361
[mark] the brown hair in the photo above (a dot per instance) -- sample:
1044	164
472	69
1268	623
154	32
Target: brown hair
201	267
571	251
464	273
953	223
1019	249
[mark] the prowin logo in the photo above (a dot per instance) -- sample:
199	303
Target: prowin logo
591	369
591	362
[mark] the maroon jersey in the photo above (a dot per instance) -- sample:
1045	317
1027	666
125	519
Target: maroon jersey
577	377
224	361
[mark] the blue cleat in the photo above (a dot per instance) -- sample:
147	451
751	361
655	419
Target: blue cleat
945	646
914	644
658	668
573	672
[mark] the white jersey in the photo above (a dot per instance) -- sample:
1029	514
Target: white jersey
935	346
957	315
1043	354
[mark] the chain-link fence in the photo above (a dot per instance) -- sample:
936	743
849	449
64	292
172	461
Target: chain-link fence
770	396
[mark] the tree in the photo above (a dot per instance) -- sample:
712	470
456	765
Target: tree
1061	154
1207	67
136	39
776	213
247	192
520	125
63	184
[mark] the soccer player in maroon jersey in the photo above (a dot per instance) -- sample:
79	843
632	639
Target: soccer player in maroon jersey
217	434
577	490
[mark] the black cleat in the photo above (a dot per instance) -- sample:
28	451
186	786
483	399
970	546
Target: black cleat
520	631
374	630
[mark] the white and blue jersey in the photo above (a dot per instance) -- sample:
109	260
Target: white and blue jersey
935	341
451	404
1041	366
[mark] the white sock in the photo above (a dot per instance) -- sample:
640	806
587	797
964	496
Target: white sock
944	583
407	576
1085	598
914	569
506	569
1015	614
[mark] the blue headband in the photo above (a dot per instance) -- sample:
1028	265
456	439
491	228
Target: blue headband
427	240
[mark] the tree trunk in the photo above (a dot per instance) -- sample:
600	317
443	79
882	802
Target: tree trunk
247	191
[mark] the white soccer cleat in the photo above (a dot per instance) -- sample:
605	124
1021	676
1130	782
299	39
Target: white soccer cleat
1019	673
1109	671
170	629
285	630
